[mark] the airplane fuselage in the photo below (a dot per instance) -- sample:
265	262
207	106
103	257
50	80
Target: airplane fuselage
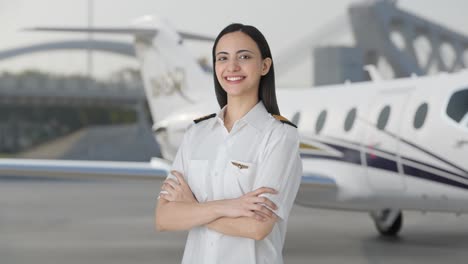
390	144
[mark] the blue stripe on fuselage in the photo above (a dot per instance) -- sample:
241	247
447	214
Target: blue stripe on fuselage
374	160
423	174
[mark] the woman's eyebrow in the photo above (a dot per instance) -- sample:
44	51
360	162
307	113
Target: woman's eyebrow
239	51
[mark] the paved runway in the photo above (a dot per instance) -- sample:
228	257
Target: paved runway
112	222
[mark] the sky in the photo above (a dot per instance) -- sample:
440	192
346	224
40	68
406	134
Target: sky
284	23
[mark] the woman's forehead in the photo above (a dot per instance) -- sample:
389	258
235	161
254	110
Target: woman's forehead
235	41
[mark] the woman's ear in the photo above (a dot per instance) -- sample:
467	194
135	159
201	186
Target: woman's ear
266	66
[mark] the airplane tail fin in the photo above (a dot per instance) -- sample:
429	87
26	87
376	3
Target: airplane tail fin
171	75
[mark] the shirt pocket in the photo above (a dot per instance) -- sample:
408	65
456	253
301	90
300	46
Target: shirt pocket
198	179
240	178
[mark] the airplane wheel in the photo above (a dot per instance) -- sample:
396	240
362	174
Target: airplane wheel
381	222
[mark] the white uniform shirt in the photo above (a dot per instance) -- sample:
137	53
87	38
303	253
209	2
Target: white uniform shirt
270	151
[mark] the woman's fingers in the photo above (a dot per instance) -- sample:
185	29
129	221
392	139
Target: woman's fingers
262	190
256	215
265	201
172	183
166	196
251	205
177	189
259	217
167	188
262	207
263	216
162	193
262	210
179	176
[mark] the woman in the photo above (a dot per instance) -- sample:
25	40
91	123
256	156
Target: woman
237	172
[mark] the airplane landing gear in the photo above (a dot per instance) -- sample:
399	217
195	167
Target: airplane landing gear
388	221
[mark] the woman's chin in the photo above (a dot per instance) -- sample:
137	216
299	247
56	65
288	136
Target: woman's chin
238	91
235	92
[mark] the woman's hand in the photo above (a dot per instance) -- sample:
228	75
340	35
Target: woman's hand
251	205
177	191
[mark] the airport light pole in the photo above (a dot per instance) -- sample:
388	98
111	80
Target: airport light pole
90	38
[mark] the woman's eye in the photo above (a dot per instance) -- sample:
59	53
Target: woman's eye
221	58
244	57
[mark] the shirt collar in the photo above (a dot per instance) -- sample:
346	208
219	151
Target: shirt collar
256	117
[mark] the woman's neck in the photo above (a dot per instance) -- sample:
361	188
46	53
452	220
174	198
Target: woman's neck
236	108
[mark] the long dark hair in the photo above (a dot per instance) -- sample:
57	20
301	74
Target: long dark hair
266	91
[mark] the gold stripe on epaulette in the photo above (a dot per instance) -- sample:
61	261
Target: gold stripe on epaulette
284	120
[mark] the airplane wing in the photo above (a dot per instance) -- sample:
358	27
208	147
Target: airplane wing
314	188
155	169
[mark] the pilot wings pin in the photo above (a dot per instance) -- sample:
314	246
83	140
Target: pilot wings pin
239	165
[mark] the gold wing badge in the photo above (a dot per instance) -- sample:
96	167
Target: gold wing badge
239	165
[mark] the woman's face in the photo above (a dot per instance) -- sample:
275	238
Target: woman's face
239	64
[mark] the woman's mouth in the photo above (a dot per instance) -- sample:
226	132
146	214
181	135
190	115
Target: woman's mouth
234	79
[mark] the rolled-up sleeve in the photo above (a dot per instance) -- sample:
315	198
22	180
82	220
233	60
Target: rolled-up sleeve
281	169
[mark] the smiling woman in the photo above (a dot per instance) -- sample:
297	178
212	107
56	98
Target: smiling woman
237	172
256	59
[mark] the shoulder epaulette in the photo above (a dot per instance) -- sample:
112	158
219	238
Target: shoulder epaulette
284	120
198	120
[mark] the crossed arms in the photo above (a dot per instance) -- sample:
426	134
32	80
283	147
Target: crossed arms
248	216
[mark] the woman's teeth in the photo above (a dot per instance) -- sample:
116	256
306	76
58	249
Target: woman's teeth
233	79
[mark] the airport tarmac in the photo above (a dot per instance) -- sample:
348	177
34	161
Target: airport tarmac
50	221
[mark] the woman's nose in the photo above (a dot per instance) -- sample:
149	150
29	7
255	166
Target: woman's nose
233	65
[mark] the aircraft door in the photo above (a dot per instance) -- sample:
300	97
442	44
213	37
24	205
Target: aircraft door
381	154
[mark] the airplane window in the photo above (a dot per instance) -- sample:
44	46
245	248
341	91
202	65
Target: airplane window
383	117
420	116
295	119
349	121
320	121
457	107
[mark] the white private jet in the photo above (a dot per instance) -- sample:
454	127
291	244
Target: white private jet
380	147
